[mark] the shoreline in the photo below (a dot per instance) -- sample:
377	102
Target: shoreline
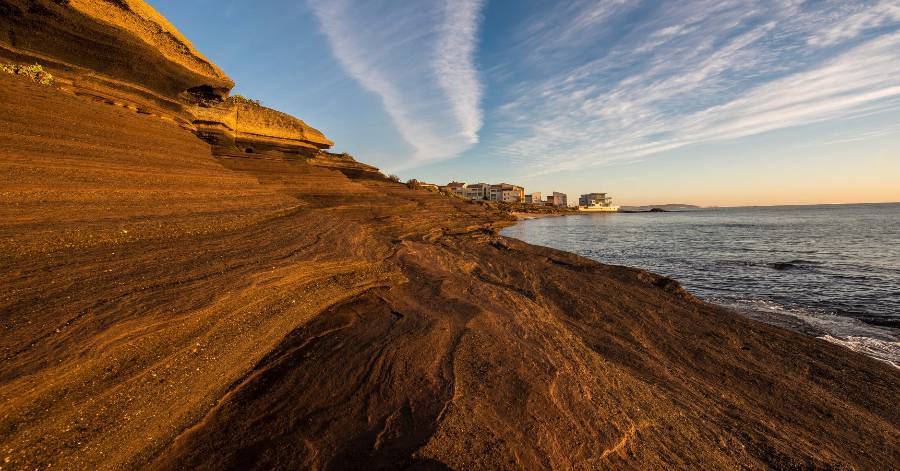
878	341
523	216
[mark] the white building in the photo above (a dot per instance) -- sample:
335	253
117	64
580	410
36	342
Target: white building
478	191
595	199
504	192
507	193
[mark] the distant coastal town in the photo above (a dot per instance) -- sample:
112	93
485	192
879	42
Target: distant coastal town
509	193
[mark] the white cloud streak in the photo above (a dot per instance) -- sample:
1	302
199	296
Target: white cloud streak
697	72
861	18
454	67
419	58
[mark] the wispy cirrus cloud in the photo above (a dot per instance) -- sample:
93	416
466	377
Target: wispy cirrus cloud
568	24
856	19
418	57
856	136
682	73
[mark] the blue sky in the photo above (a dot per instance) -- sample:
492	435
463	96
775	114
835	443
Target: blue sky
706	102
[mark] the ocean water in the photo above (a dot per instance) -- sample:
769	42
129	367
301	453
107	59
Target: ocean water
831	271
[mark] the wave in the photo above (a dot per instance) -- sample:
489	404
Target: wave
878	342
888	352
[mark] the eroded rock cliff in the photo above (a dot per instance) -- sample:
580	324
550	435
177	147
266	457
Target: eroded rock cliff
117	50
239	126
125	53
163	307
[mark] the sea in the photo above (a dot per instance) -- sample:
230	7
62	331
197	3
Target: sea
830	271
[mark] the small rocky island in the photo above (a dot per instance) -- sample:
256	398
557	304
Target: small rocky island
191	280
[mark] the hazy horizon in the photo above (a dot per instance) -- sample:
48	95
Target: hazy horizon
763	205
700	102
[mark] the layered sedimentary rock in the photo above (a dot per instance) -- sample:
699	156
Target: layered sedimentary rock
252	128
123	52
242	128
116	50
163	307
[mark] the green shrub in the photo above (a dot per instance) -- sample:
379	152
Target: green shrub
35	72
394	178
238	98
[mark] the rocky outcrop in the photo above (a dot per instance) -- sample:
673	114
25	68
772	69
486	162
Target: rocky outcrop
242	128
346	164
251	128
121	51
125	53
162	307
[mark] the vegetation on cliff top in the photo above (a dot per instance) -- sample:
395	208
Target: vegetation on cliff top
35	72
238	98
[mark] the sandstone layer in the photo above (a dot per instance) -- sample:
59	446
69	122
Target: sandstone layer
250	122
120	51
169	304
166	308
125	53
237	127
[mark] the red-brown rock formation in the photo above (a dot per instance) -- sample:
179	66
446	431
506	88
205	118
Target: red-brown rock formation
162	307
120	51
123	52
246	127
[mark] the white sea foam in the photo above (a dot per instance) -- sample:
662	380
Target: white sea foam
881	343
883	350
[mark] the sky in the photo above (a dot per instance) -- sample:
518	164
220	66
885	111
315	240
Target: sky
715	103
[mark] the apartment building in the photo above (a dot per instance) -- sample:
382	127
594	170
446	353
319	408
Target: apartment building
457	188
595	200
478	191
506	193
557	199
534	198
